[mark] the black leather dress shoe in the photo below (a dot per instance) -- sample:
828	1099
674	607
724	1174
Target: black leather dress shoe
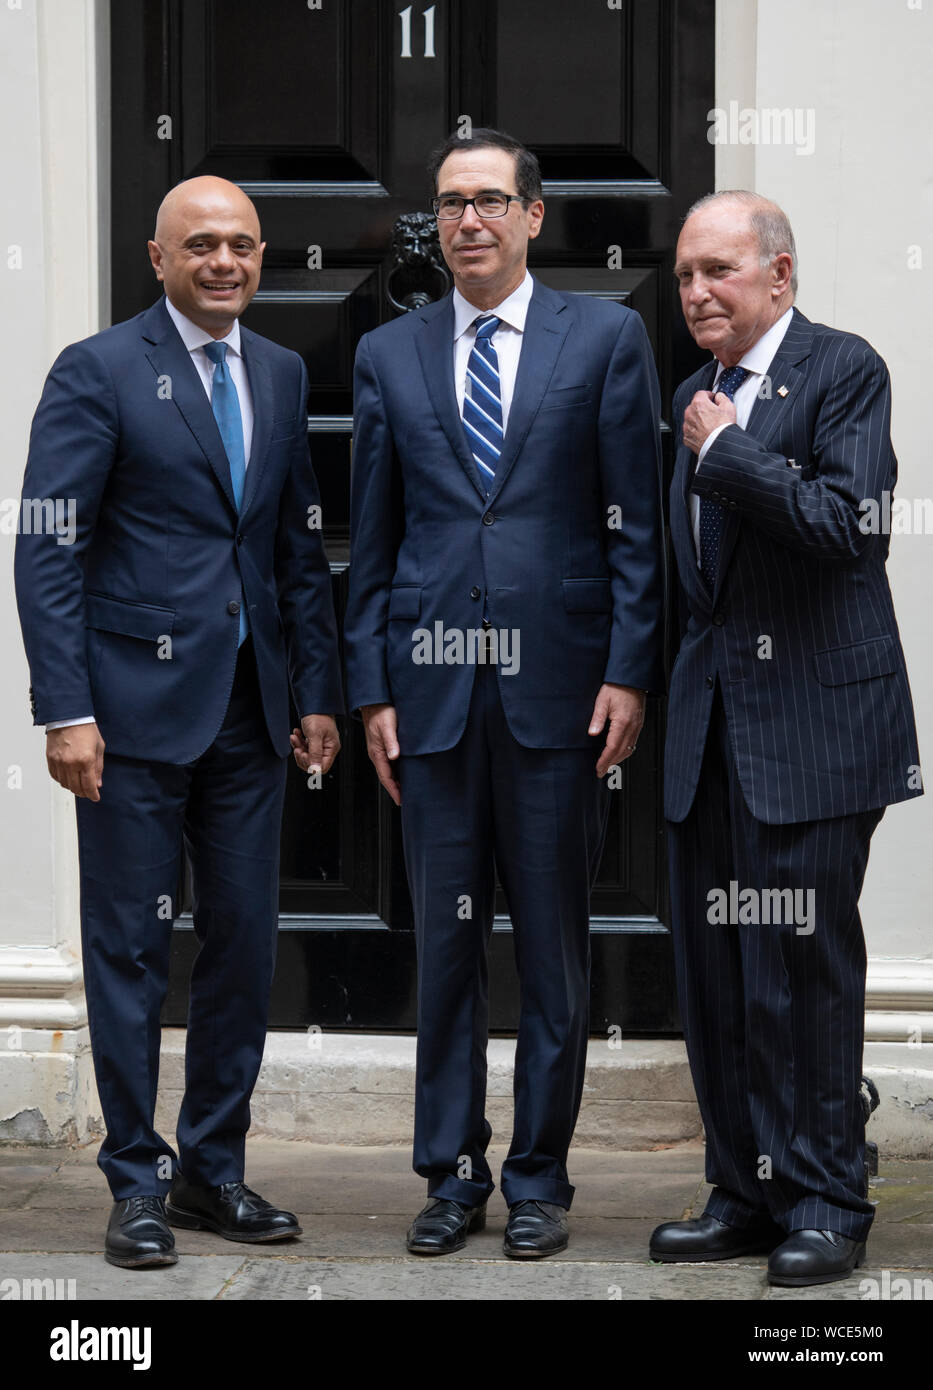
233	1210
443	1226
707	1238
814	1257
535	1229
138	1235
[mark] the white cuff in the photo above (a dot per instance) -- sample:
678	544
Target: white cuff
69	723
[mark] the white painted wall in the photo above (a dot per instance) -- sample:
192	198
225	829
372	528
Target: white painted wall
857	204
48	147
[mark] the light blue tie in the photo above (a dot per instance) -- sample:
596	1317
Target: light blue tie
482	400
225	404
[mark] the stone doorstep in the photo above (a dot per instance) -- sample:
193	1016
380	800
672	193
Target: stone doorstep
347	1088
344	1088
359	1089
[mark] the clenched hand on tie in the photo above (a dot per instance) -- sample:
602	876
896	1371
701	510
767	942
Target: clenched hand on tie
705	413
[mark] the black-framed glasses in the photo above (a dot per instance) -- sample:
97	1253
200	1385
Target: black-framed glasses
451	206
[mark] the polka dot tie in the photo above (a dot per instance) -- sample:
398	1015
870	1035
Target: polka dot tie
713	514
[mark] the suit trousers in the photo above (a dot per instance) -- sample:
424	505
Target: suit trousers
772	1001
539	817
227	808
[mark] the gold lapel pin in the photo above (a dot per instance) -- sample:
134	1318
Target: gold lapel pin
782	391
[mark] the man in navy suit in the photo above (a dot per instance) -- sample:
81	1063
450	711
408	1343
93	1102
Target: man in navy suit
790	728
505	607
162	645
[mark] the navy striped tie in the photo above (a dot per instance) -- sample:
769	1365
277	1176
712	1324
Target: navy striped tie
482	400
712	514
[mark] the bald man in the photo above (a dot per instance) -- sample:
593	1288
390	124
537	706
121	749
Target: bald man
190	597
790	729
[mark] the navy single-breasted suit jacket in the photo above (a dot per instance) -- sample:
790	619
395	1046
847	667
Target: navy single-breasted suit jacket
582	584
125	429
800	630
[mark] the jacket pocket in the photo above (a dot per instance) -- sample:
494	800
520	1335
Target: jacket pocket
126	616
282	429
405	601
566	396
859	661
587	595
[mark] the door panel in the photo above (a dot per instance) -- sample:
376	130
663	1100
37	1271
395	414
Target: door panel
326	118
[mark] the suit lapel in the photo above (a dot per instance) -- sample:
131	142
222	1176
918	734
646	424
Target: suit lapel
767	412
542	340
681	515
784	379
260	385
546	327
171	360
435	344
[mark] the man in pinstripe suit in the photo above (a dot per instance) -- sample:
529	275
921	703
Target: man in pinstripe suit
790	728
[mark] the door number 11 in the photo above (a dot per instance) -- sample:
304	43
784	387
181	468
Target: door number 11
405	17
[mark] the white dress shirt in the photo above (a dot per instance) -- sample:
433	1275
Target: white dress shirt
507	340
194	339
757	361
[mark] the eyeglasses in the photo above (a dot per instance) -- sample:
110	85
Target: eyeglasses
451	207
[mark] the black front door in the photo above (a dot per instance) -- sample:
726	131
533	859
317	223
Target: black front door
325	114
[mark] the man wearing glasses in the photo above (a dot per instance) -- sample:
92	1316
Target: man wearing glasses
504	622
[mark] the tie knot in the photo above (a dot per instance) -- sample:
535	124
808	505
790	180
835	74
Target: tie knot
485	327
731	380
216	352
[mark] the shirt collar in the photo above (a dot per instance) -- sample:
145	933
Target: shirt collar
761	354
513	310
194	337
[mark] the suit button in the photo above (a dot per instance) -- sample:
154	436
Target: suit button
240	538
488	519
475	592
709	682
233	608
718	620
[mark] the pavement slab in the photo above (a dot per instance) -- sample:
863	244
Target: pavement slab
355	1205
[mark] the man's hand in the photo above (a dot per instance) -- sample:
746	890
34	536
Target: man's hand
381	727
704	414
316	744
75	756
624	708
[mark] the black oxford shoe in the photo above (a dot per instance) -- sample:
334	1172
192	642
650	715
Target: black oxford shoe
443	1226
814	1257
535	1229
233	1210
707	1238
138	1235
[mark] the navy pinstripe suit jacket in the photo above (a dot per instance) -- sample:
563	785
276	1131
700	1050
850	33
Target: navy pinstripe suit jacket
824	725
